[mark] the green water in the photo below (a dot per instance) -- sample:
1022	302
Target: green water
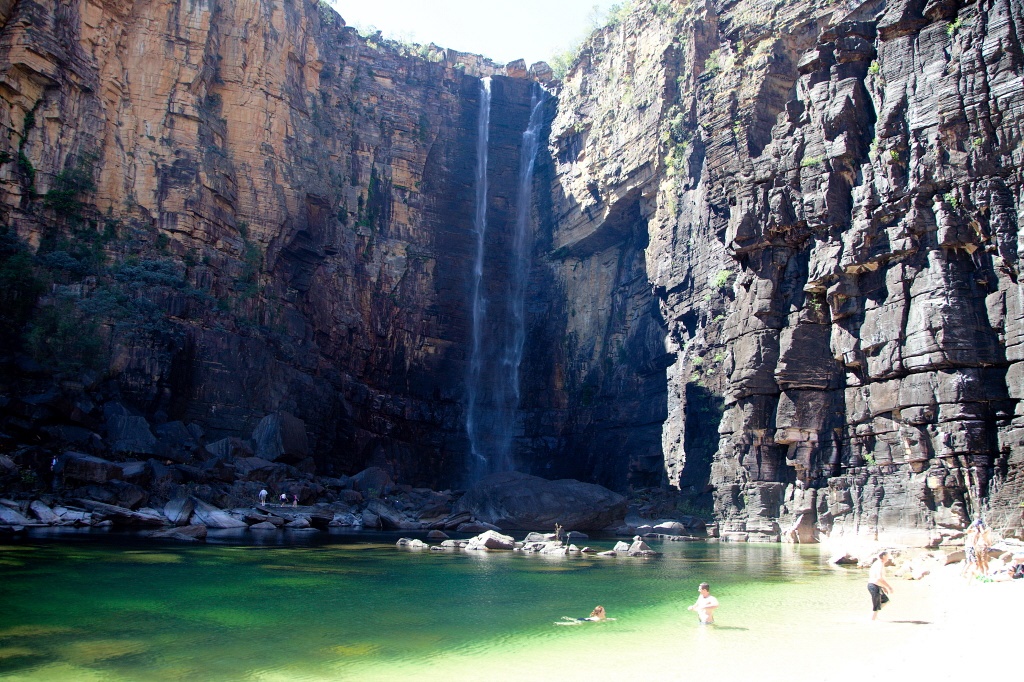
351	607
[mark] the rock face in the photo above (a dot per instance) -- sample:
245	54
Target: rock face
775	259
514	500
832	241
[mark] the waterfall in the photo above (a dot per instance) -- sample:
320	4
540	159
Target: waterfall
479	302
513	355
493	389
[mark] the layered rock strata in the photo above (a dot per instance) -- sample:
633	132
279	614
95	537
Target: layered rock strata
249	208
831	200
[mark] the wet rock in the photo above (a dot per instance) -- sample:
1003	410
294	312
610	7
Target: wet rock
437	535
513	500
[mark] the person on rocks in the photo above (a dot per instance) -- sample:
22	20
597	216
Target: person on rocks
263	497
705	605
970	552
284	499
981	546
878	586
295	500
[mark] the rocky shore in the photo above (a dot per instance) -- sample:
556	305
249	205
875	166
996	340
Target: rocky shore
170	480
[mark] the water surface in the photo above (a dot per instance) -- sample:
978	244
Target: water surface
355	607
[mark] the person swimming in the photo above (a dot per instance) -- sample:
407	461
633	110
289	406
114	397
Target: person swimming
597	614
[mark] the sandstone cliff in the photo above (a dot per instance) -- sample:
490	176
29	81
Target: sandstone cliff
243	207
775	262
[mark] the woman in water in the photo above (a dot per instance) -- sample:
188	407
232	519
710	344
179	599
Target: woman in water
595	615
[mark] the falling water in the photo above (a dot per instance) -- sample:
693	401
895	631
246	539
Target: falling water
473	382
493	389
513	355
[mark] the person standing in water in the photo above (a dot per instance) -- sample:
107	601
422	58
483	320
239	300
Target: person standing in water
705	605
878	586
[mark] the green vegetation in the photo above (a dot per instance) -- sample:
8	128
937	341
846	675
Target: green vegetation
954	26
722	278
809	161
874	68
711	65
69	185
951	199
894	155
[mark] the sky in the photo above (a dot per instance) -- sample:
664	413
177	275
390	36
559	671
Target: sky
533	30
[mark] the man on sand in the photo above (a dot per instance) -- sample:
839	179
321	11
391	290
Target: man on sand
705	605
878	586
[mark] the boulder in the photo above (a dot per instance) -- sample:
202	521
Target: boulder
281	436
211	517
638	546
43	513
135	472
437	535
130	434
298	523
372	482
77	466
670	528
10	517
390	518
119	516
345	520
263	525
259	469
512	500
539	537
175	441
621	546
179	510
229	448
491	540
370	520
412	543
454	544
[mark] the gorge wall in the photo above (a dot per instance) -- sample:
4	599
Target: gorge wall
831	195
775	260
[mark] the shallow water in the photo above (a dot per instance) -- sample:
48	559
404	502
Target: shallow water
355	607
